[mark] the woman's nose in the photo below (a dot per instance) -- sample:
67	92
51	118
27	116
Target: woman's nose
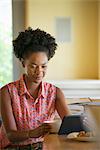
39	69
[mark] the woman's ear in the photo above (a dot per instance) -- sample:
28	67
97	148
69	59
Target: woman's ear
23	62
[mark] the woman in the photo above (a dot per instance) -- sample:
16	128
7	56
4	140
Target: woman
28	102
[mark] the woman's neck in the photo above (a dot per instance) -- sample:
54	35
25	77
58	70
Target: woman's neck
32	87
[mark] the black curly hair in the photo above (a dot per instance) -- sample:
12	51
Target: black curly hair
34	41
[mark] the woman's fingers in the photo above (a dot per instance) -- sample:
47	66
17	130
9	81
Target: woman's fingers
46	128
43	129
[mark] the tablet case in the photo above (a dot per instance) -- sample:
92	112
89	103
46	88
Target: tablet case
72	123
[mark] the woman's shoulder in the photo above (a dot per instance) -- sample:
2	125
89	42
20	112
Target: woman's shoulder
11	84
53	87
50	88
49	85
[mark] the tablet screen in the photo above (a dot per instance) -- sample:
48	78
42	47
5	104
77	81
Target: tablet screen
72	123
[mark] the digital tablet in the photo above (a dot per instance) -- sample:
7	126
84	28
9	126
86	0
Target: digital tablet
73	123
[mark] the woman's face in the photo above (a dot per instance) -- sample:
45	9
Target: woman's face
36	66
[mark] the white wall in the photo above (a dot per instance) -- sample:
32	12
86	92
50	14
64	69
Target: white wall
18	12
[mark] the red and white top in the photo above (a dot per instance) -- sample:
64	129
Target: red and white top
28	112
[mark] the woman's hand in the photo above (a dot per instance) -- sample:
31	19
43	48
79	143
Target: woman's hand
42	130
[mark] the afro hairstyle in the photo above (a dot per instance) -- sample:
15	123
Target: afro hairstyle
34	41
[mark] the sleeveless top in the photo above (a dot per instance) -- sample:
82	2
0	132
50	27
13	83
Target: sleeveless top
29	113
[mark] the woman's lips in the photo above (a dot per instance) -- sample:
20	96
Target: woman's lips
38	78
34	77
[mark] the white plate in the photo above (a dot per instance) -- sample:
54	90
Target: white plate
73	136
85	139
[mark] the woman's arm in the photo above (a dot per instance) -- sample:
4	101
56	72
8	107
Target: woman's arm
61	106
9	122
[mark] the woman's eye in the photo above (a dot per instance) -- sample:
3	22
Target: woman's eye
44	66
33	66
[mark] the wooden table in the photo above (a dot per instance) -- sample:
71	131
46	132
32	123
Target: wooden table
56	142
